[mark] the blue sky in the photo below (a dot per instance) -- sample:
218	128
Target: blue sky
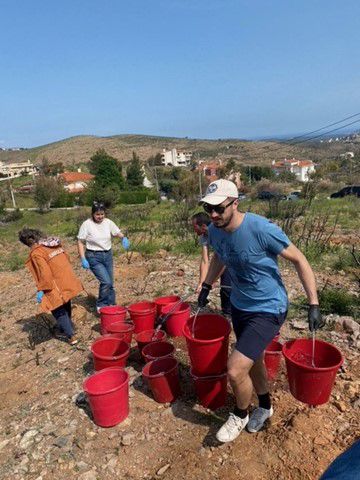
197	68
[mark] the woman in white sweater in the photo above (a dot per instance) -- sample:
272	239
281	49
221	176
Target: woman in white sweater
94	244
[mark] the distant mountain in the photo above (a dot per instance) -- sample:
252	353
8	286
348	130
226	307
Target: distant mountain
79	149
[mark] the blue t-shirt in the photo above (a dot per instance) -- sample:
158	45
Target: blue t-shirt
250	253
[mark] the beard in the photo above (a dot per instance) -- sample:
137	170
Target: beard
224	223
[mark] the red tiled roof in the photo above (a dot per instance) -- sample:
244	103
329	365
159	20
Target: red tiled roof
71	177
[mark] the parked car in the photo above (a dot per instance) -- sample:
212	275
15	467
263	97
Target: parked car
265	195
344	192
294	196
241	196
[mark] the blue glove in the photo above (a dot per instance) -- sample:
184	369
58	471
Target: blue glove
85	264
39	296
125	243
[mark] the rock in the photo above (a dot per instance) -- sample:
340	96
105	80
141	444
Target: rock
82	465
350	326
61	441
299	324
28	438
63	359
90	475
163	469
340	405
127	439
4	443
78	314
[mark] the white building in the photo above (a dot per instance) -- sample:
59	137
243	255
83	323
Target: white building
146	182
17	169
300	168
175	159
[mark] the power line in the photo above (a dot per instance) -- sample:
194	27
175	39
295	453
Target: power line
326	133
323	128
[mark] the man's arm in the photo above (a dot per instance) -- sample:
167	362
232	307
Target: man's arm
204	266
304	272
215	269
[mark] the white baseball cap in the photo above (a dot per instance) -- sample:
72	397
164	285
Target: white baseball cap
218	191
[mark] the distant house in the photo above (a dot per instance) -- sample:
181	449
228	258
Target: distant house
174	158
17	169
300	168
210	170
75	182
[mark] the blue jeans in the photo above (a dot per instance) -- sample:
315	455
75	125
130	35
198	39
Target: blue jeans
225	281
346	466
101	264
62	315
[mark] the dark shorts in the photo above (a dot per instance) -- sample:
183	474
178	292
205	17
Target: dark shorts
254	330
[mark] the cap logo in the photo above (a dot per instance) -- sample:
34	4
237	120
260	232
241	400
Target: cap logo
211	188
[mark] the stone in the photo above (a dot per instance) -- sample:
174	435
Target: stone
81	465
299	324
350	326
127	439
340	405
90	475
28	438
61	442
163	469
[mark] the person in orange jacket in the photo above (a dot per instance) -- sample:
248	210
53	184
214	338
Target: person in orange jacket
55	280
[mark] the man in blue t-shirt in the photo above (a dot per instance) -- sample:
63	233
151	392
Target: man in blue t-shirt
249	245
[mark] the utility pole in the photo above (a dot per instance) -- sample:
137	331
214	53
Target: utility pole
12	194
249	175
198	163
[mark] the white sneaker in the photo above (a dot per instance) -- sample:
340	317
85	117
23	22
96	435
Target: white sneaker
257	419
232	428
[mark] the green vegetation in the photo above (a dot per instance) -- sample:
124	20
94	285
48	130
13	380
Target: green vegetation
335	300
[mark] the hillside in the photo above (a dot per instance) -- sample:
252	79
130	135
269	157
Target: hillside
79	149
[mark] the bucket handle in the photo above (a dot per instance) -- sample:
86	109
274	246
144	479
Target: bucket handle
164	318
206	377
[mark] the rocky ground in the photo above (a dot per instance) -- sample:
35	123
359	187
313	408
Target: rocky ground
45	435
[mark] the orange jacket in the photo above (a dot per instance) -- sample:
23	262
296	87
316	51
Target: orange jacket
52	272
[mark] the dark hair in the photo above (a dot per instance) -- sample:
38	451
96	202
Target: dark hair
29	236
97	207
201	218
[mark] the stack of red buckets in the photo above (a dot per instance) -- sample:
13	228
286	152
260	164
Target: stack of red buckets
207	339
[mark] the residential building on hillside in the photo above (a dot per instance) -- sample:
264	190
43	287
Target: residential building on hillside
300	168
75	182
175	159
17	169
210	170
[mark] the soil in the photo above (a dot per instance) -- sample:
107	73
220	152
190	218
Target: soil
46	434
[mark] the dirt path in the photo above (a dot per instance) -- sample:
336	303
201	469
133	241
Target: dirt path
44	435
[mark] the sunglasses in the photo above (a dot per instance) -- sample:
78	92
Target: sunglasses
217	208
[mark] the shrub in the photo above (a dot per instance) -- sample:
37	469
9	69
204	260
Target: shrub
137	196
336	300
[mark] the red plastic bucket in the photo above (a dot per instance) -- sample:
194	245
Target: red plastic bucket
162	302
111	314
162	376
124	328
156	350
109	352
176	320
211	390
108	395
308	384
272	358
149	336
143	315
208	349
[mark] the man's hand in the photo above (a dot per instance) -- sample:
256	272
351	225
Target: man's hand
39	296
314	317
85	264
204	292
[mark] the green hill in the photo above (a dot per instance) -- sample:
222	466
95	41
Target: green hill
79	149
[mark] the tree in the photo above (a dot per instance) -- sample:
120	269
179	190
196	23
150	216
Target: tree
134	173
106	169
46	191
